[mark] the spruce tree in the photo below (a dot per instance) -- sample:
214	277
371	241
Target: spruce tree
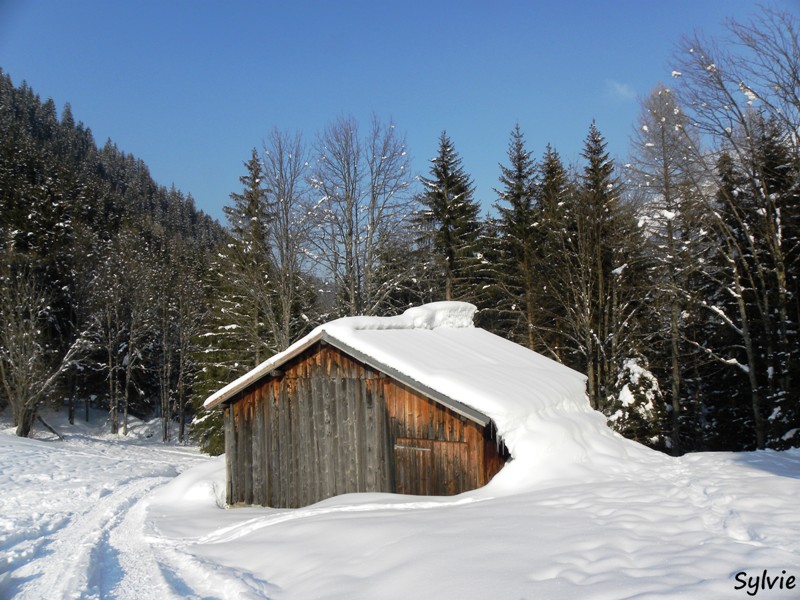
243	281
450	223
249	214
249	265
599	201
517	242
733	402
600	267
756	205
552	230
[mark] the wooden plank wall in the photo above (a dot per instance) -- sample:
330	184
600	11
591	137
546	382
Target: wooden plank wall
329	425
317	430
495	453
456	444
433	468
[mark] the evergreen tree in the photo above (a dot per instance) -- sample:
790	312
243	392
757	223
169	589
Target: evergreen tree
720	335
518	212
599	198
737	92
219	354
248	265
241	321
553	230
601	279
641	407
450	222
757	202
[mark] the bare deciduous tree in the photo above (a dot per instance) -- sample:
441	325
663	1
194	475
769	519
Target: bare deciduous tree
122	319
666	175
284	167
744	97
364	186
28	369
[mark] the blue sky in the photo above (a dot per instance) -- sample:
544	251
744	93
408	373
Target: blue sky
191	86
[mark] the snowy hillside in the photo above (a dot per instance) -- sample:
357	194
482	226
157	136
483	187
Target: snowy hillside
96	517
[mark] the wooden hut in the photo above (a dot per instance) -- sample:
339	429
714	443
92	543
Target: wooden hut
360	405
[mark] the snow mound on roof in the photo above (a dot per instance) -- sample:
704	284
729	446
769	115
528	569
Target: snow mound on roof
454	315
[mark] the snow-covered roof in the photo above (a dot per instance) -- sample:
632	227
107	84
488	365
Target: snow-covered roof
437	350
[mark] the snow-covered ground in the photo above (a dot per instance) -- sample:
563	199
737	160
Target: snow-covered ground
97	516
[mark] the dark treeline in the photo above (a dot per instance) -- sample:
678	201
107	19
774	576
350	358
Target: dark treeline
101	272
671	281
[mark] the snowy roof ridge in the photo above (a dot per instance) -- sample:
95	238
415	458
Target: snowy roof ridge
450	314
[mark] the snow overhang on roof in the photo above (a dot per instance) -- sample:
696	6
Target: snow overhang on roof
436	350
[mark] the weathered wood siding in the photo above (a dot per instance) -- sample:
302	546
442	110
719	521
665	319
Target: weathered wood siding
436	450
328	424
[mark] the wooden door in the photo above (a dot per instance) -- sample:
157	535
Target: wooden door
431	468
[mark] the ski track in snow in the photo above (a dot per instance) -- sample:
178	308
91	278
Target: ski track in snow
75	532
66	534
85	559
178	574
190	576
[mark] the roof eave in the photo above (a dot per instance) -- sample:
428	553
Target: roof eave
226	393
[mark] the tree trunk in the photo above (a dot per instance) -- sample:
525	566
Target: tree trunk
591	383
181	400
49	427
71	405
181	413
448	283
26	418
676	377
113	390
125	412
128	376
755	392
530	303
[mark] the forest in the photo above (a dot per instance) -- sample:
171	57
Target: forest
671	280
